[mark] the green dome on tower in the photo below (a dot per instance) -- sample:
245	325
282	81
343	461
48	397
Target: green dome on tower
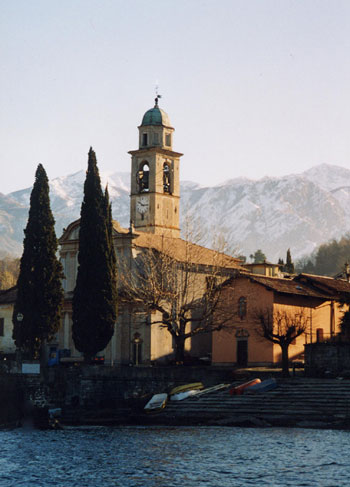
156	116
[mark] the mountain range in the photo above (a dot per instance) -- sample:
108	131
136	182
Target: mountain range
298	211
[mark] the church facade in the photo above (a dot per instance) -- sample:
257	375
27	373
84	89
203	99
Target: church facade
154	224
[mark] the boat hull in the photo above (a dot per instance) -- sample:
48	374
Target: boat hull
264	386
187	387
239	390
156	403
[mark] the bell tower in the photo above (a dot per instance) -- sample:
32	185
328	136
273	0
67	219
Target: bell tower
155	178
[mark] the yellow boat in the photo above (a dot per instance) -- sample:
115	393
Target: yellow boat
187	387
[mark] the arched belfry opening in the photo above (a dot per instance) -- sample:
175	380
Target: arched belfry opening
144	139
142	178
166	178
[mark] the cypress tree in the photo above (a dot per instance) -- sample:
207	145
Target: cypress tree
37	310
112	257
289	267
111	289
94	298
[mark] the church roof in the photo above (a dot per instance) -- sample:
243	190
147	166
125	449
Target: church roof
156	116
184	251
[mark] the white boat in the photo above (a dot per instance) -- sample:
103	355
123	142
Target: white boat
180	396
186	387
156	403
197	392
216	388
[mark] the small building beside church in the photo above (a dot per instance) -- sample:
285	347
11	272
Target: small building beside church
317	297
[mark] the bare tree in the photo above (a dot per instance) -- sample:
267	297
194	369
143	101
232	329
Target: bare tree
281	327
182	282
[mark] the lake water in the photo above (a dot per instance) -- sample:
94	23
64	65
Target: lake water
169	457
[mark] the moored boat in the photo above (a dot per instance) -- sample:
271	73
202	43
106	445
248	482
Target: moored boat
187	387
180	396
264	386
156	403
208	390
239	390
45	418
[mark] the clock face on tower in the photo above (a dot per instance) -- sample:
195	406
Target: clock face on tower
142	204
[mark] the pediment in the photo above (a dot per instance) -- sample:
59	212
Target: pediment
71	232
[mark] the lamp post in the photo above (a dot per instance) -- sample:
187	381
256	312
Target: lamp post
19	318
137	348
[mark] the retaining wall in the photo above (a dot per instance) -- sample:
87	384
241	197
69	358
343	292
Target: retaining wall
94	387
327	358
102	386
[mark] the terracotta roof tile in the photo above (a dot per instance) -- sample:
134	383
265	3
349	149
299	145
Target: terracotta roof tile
325	284
185	251
287	286
179	249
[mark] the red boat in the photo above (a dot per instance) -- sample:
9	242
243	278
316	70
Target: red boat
239	390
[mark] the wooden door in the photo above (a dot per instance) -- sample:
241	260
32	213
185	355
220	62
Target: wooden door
242	353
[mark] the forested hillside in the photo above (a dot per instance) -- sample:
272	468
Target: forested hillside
329	259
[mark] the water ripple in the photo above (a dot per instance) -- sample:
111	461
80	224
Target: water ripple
174	457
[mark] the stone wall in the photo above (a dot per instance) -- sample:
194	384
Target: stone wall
20	393
327	359
94	388
102	386
11	400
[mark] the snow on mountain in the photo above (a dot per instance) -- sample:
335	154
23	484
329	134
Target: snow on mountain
120	180
297	211
328	177
271	214
12	214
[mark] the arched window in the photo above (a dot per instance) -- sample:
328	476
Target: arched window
242	307
166	178
142	178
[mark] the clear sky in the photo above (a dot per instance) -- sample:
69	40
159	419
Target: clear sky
252	87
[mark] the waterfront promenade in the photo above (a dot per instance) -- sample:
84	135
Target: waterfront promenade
301	402
106	396
296	402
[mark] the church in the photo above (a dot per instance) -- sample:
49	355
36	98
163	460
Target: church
154	224
139	337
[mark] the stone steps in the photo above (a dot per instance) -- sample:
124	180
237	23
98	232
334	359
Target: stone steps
293	400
